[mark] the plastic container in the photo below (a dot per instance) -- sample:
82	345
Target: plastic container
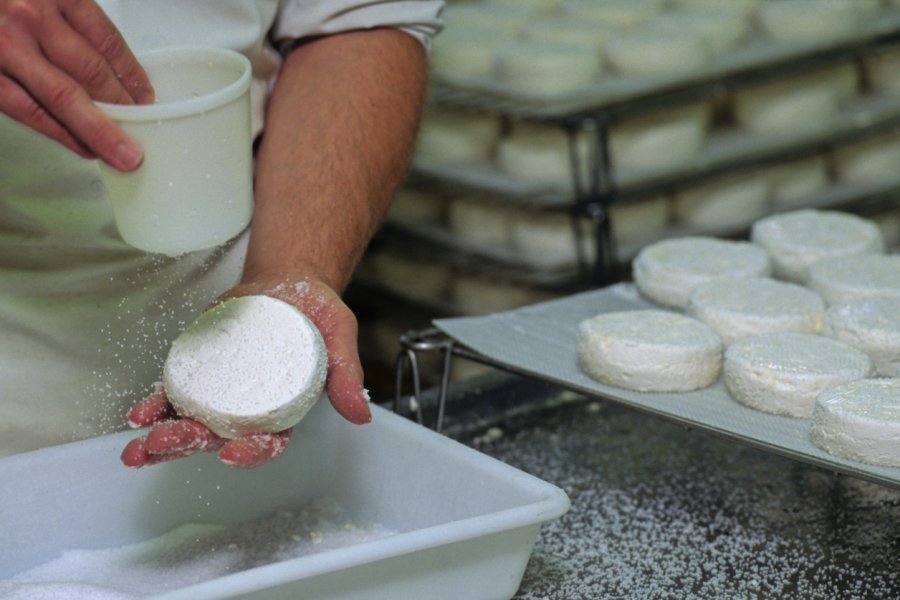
195	188
466	522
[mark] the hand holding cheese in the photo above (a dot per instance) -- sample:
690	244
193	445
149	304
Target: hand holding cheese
249	369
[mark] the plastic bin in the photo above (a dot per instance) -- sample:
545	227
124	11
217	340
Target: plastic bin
466	522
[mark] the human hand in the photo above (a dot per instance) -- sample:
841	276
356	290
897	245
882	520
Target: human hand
173	437
56	58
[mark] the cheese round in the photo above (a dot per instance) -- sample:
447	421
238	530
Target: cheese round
657	53
725	204
546	240
782	373
871	160
649	351
666	272
645	143
845	278
723	30
480	223
453	136
621	14
860	420
793	184
539	153
797	239
871	325
787	105
791	20
739	308
247	365
547	69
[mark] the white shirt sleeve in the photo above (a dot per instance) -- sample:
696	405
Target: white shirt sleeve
304	18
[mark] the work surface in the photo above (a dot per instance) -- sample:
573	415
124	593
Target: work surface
659	511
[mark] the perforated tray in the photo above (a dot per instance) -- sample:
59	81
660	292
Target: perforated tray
539	341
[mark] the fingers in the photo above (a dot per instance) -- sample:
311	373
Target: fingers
51	72
168	441
345	376
153	409
121	78
253	450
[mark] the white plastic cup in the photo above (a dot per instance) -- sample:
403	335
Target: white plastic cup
194	189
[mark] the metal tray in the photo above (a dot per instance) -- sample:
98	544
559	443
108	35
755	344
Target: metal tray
539	341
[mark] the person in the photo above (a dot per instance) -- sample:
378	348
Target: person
85	320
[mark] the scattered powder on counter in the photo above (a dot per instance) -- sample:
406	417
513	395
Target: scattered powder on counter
190	554
660	512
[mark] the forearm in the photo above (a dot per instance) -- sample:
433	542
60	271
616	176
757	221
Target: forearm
340	126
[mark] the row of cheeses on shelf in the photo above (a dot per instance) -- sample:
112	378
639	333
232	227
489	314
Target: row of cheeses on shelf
552	47
669	138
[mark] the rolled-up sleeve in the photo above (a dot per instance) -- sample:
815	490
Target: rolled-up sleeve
305	18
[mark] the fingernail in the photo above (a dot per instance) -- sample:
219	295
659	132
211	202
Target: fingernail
128	156
146	97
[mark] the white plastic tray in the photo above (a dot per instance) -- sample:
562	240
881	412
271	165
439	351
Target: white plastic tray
466	523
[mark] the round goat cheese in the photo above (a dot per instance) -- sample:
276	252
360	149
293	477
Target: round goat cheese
860	420
795	240
649	351
547	69
739	308
845	278
871	325
247	365
783	373
667	271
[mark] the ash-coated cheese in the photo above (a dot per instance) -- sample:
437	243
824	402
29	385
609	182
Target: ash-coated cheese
247	365
649	351
797	239
667	271
871	325
783	373
860	421
739	308
846	278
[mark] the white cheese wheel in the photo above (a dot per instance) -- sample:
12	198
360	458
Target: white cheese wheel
412	206
466	52
860	421
640	219
538	153
621	14
646	143
657	53
727	203
407	276
842	279
872	160
566	30
782	373
795	240
480	223
746	8
793	184
649	351
792	20
882	69
739	308
547	69
787	106
871	325
247	365
453	136
723	30
547	240
666	272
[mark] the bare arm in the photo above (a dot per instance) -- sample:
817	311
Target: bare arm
339	130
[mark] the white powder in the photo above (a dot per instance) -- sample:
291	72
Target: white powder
250	364
190	554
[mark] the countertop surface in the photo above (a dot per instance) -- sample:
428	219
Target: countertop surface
659	511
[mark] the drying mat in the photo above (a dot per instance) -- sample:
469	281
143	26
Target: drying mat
539	341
